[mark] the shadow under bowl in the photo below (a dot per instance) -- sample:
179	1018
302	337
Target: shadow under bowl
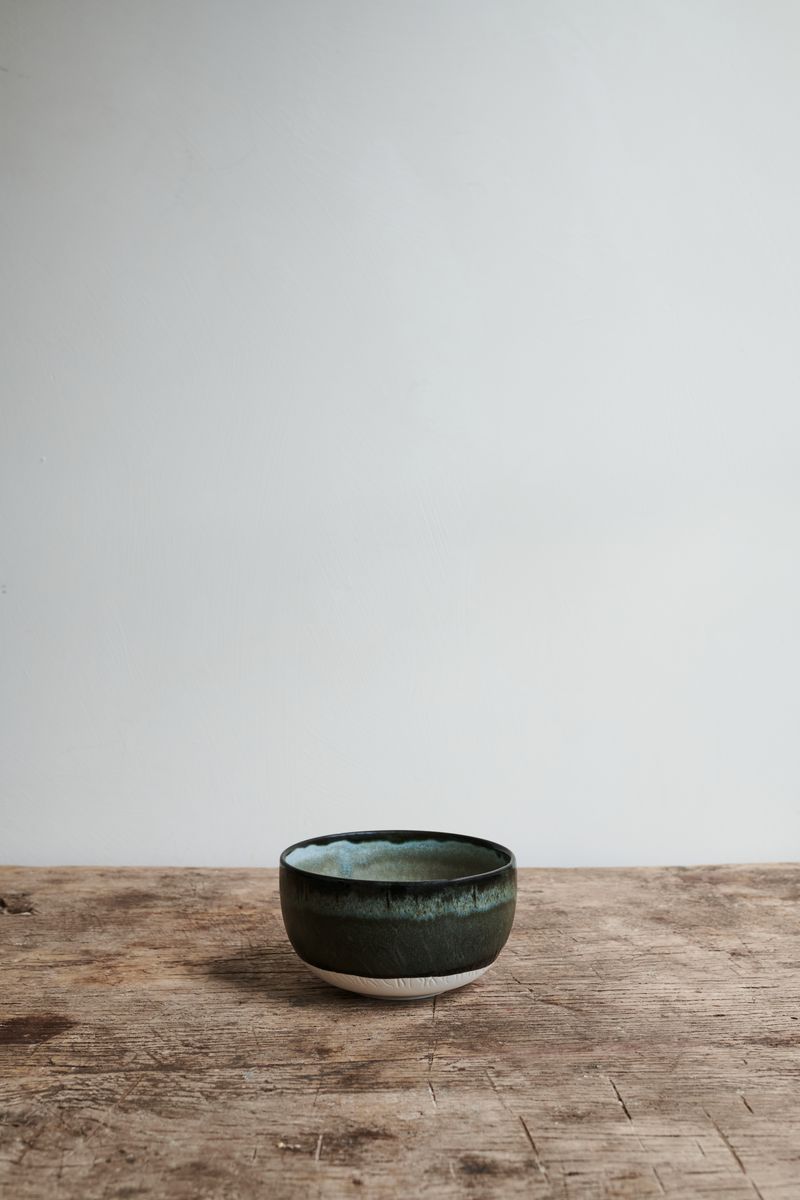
395	913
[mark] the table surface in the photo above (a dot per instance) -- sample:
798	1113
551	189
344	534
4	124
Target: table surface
639	1036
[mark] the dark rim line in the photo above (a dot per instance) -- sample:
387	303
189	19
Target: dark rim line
366	835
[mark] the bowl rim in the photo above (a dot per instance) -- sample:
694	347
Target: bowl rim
387	834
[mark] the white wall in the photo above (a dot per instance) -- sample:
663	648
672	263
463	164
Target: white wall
400	425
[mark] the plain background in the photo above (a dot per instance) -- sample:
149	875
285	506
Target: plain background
400	425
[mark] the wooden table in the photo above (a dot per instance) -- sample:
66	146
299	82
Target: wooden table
639	1036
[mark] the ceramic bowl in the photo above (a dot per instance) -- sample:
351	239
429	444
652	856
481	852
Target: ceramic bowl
398	913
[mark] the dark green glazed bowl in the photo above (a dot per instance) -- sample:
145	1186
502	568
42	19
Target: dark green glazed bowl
398	913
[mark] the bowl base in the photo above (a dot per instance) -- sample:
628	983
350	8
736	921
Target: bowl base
412	988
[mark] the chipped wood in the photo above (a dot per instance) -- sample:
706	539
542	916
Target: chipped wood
639	1036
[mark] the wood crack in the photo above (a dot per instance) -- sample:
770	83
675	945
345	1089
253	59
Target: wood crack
432	1051
618	1094
536	1156
732	1150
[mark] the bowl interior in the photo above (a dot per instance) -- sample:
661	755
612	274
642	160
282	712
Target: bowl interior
398	858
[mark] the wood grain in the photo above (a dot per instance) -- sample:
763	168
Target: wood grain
639	1036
